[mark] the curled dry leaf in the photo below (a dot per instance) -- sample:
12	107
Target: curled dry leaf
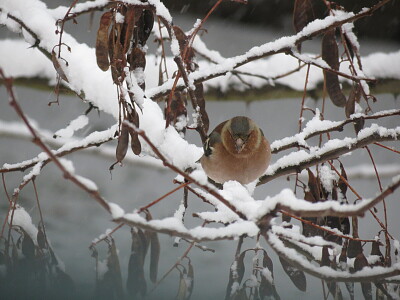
296	276
359	263
355	96
236	273
267	288
102	42
58	67
302	15
330	54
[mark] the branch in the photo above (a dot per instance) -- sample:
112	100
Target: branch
327	273
296	140
37	140
283	45
327	152
334	208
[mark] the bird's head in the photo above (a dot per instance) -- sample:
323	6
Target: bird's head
241	136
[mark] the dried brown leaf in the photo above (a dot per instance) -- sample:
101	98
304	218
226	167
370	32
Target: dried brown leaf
137	59
296	276
58	67
102	42
145	25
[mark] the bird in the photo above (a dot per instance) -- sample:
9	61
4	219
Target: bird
236	150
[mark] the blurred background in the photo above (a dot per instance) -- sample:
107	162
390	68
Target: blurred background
73	219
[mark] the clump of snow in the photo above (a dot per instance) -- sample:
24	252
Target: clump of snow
116	210
23	219
76	124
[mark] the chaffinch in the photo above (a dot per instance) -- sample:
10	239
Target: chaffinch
236	150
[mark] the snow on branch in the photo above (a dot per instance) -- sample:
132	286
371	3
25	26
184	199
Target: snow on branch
300	160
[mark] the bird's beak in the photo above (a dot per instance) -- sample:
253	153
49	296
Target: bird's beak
239	143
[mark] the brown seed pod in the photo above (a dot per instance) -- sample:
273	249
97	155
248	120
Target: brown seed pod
102	42
137	59
199	92
145	25
330	53
136	283
123	141
302	15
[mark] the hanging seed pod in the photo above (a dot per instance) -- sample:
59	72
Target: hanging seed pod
302	15
28	246
115	270
355	96
137	59
330	54
354	249
313	185
136	147
145	25
136	283
41	239
376	251
342	184
123	141
296	276
58	67
102	42
359	263
154	256
199	92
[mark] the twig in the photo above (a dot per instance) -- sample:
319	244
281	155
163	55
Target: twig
37	140
185	175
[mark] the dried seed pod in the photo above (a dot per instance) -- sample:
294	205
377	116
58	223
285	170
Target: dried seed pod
354	248
302	15
154	256
28	247
58	67
199	92
355	96
136	146
41	239
145	25
129	25
137	59
115	270
359	263
296	276
342	184
123	141
136	283
102	42
313	185
330	54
